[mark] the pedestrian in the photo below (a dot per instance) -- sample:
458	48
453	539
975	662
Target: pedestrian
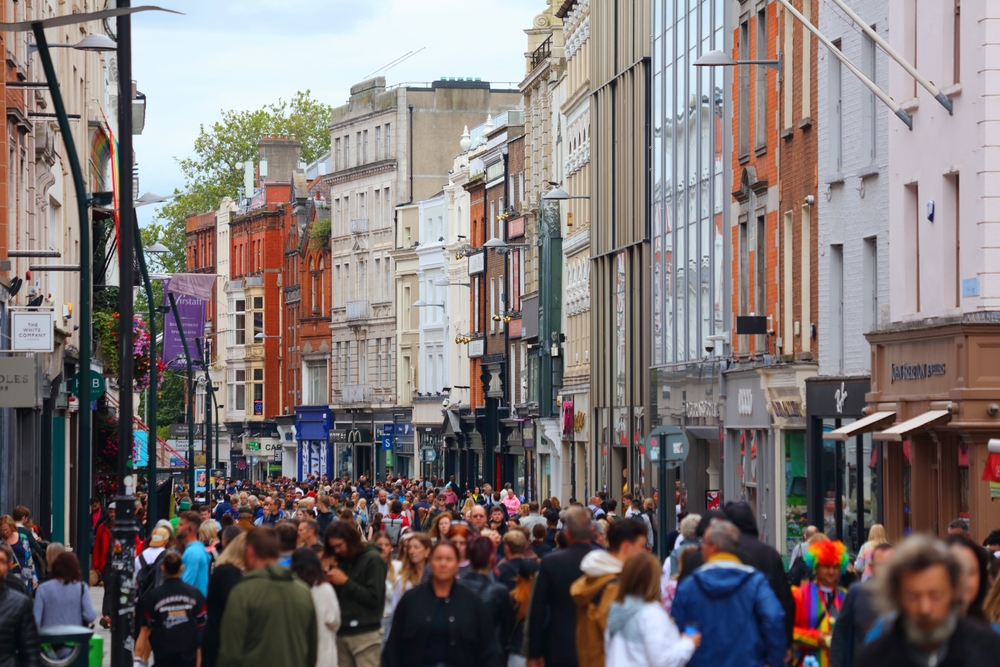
245	521
517	574
477	519
307	568
991	605
228	572
308	535
391	572
25	528
171	618
19	644
324	515
441	622
415	555
269	618
818	602
197	562
975	561
511	502
64	599
800	549
551	620
859	612
395	524
732	605
208	535
23	565
876	536
495	600
922	590
594	592
533	518
287	531
596	508
639	632
359	580
460	536
688	537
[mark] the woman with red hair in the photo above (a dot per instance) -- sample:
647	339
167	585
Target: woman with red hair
818	601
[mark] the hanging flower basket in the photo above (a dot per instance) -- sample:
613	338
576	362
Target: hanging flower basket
106	336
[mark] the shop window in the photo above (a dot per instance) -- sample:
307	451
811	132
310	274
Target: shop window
751	442
796	502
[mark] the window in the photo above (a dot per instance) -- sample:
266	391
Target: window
315	388
336	145
258	323
760	85
953	194
312	287
760	263
388	140
956	63
869	116
337	298
357	158
339	360
378	279
362	206
337	223
870	269
388	206
378	208
744	268
520	186
744	95
239	395
837	305
911	240
836	113
493	305
493	221
364	143
378	362
258	391
240	322
258	303
347	151
378	142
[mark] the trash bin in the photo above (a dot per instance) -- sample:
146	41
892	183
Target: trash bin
65	645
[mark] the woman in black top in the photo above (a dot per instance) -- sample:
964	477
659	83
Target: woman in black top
227	573
440	623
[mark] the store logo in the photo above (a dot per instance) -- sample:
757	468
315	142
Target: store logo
840	397
914	371
744	402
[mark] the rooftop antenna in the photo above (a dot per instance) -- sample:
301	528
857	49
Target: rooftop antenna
393	63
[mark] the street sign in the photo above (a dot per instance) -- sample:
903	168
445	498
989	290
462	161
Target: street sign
428	455
241	464
669	445
404	429
388	429
387	443
97	385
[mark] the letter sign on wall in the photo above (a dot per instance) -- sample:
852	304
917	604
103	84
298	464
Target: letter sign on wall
745	402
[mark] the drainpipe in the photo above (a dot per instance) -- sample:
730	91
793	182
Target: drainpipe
410	158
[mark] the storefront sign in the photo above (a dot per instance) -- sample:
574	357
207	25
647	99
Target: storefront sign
840	397
31	331
712	500
914	371
476	263
836	398
744	402
786	409
17	383
703	409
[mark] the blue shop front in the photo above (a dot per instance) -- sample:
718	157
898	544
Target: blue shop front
312	432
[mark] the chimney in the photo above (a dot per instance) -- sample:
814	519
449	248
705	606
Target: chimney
281	155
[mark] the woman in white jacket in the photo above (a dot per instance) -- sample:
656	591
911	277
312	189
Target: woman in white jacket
306	566
639	632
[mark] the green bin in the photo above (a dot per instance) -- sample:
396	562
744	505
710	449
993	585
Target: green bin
97	651
69	646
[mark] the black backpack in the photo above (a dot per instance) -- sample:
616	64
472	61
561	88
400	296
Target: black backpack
150	575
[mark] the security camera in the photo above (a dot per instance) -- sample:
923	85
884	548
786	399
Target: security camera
445	403
709	346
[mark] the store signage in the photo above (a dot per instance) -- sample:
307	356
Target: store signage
476	263
701	409
387	443
17	383
97	384
579	421
915	371
786	409
840	397
476	348
404	428
31	331
744	401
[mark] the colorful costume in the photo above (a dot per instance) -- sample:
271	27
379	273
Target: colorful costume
816	610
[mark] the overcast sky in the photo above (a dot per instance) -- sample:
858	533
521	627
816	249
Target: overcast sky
243	54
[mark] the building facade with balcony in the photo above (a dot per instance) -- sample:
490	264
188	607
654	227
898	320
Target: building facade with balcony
390	146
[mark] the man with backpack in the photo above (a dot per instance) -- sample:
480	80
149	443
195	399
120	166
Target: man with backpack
147	563
594	592
639	516
171	618
395	523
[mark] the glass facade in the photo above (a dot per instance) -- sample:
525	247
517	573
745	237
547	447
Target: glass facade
688	189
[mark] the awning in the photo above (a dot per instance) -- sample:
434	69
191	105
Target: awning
870	423
899	432
704	432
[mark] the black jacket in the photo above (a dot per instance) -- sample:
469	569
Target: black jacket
856	617
362	596
471	635
551	621
497	605
972	645
324	519
220	584
18	633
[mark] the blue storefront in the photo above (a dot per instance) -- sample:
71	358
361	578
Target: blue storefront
312	431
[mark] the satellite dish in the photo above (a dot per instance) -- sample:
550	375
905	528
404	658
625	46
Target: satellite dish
15	285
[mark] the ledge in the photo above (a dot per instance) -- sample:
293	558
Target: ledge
834	178
870	170
760	150
953	90
787	133
805	122
910	105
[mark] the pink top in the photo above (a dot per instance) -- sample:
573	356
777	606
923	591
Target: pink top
511	503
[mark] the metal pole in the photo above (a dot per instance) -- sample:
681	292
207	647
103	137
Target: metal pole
83	463
125	528
151	399
209	395
190	406
666	504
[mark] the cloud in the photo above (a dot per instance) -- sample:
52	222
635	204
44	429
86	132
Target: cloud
243	54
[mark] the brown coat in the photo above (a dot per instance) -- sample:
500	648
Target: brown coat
593	597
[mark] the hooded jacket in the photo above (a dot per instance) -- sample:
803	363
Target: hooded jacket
362	596
269	620
641	633
593	594
737	613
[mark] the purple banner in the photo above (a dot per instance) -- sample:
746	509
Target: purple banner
192	315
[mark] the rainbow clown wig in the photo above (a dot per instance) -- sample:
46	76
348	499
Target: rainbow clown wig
827	553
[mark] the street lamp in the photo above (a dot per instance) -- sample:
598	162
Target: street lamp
443	282
153	198
262	336
719	58
558	194
502	247
420	303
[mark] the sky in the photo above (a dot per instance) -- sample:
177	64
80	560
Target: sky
243	54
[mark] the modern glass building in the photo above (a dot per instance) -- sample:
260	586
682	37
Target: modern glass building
690	186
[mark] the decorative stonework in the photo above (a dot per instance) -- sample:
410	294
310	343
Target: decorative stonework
576	38
578	286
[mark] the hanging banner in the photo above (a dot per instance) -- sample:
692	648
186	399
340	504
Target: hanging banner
140	449
191	311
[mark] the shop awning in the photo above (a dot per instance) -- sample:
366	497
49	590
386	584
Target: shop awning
928	419
865	425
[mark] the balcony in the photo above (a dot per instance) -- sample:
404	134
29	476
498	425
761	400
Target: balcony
357	309
542	53
359	226
358	393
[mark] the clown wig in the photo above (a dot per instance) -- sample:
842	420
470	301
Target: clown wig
827	553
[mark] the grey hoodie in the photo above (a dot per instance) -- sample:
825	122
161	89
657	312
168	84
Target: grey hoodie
622	616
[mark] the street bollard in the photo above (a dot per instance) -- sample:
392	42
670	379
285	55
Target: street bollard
65	645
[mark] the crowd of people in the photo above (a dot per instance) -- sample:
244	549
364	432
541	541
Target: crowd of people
422	573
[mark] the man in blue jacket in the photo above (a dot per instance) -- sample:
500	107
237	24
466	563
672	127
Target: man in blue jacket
732	605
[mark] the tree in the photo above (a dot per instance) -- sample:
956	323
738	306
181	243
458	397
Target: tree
215	170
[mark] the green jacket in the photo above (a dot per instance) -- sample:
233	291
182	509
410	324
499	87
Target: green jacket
269	620
362	596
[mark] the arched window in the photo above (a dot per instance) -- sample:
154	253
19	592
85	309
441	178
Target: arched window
312	286
322	286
